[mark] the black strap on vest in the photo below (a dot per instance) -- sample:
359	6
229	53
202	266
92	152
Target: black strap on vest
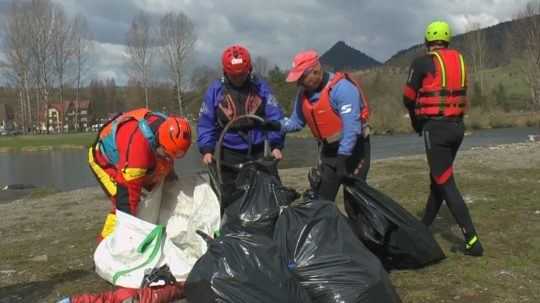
444	93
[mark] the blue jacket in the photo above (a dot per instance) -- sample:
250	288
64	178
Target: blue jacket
344	99
208	129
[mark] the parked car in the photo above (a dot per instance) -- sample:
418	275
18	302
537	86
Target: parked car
10	132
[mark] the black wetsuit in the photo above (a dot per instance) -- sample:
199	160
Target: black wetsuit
442	138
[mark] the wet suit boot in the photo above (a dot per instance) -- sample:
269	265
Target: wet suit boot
473	247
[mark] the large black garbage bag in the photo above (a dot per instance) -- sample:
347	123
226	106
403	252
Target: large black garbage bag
399	239
319	247
242	268
257	200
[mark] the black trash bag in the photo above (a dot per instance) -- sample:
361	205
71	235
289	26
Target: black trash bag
392	233
242	268
257	200
325	256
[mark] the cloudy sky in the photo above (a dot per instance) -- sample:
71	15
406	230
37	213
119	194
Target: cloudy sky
277	29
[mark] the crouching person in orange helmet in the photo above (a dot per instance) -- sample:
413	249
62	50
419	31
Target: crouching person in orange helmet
135	151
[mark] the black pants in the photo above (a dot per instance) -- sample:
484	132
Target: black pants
357	164
442	140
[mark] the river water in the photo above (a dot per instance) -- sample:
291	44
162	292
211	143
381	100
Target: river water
67	169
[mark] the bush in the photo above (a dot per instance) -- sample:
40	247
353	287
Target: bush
476	118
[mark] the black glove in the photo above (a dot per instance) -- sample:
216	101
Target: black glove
415	122
271	125
341	167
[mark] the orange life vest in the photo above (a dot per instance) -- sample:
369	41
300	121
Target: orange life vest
444	94
107	134
108	151
324	123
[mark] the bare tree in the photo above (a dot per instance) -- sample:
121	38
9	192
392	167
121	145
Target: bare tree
39	46
44	14
177	39
140	48
82	50
527	34
16	47
202	76
261	66
477	48
63	49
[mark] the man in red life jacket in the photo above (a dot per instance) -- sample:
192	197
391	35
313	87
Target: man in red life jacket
135	151
435	96
335	109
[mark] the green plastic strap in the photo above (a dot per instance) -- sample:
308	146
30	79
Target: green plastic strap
155	236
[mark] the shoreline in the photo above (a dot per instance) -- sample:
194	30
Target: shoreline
287	173
304	134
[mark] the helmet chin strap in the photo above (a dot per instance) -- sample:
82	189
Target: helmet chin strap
160	150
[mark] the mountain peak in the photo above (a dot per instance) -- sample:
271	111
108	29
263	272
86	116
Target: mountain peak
344	57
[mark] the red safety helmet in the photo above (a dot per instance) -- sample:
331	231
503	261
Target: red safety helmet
174	135
236	60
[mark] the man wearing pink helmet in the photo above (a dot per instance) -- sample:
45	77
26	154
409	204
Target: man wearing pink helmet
237	93
334	108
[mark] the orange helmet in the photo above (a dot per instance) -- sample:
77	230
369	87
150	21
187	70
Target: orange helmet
174	135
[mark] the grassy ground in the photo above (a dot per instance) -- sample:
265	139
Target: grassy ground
381	124
501	187
503	199
47	242
40	142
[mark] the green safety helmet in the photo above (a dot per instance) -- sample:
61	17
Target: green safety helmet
438	31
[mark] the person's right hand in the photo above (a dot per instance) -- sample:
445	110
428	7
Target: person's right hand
207	158
415	123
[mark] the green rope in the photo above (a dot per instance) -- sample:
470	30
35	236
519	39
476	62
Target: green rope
155	236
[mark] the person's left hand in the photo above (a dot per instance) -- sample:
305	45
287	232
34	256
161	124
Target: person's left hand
277	154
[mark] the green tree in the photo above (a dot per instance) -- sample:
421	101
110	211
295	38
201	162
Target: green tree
477	98
98	99
284	92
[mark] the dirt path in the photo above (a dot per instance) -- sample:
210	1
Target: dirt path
46	243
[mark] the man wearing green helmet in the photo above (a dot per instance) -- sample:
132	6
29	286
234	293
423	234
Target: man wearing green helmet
435	96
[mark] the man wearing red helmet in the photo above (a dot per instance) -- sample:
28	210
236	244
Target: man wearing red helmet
239	92
136	150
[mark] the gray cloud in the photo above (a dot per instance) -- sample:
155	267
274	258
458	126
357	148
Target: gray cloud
278	29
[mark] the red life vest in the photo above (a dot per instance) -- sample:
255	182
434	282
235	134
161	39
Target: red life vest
444	94
323	121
